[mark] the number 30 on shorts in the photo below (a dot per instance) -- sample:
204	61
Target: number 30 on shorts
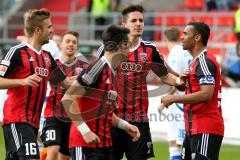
51	135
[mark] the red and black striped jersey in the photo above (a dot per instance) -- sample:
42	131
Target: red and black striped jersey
96	107
130	81
54	107
24	104
205	117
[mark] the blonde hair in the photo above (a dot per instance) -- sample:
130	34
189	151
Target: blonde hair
34	18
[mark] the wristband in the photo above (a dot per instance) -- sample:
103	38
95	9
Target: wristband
178	81
83	128
122	124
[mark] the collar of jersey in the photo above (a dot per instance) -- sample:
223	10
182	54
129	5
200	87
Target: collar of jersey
108	63
205	50
136	47
68	64
38	52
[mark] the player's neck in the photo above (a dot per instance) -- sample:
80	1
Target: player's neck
134	41
108	56
67	58
197	51
34	43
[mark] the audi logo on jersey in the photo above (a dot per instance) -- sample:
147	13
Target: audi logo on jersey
41	71
131	67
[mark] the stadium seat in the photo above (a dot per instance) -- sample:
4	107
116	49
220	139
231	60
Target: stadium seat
192	5
225	21
58	20
176	20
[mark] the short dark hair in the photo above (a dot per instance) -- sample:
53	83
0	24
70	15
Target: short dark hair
172	34
74	33
202	29
131	8
113	35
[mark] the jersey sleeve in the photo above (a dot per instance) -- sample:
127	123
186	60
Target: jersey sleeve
9	62
57	75
100	51
89	76
52	47
82	80
158	64
206	71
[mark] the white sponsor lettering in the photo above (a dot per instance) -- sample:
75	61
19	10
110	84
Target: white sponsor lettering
41	71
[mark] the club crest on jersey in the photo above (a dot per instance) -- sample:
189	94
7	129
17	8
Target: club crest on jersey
3	70
47	60
143	57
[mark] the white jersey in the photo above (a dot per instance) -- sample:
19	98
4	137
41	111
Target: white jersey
179	59
52	47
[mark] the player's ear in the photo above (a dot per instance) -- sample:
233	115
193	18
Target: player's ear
123	23
37	30
198	37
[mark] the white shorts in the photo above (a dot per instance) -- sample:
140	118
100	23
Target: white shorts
176	130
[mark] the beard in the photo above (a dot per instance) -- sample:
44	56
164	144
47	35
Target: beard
45	42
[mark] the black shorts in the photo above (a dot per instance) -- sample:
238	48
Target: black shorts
56	132
20	141
202	147
140	150
86	153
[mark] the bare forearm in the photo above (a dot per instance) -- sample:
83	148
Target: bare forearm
172	90
192	98
115	120
169	79
10	83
